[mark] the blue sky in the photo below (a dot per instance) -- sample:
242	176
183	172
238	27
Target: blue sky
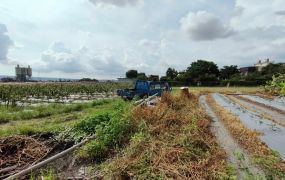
104	38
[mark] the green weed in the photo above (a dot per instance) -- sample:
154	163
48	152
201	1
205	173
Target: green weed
112	129
26	113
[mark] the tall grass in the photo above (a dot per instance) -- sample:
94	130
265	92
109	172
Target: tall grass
55	123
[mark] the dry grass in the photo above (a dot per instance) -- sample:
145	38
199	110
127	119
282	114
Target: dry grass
257	91
271	163
174	142
265	95
225	90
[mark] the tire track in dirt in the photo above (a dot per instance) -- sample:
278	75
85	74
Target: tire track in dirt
262	111
242	165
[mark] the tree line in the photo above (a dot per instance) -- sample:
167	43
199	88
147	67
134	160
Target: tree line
207	73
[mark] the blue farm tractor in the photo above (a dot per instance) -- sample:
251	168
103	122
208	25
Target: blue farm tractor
144	89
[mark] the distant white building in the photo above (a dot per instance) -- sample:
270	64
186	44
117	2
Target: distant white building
261	64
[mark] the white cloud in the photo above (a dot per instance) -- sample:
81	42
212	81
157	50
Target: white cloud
148	36
281	12
238	10
60	58
204	26
107	63
120	3
5	43
258	13
148	43
59	47
261	25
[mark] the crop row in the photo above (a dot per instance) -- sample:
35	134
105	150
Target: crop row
10	94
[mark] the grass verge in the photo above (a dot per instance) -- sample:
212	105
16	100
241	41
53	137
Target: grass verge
26	113
55	123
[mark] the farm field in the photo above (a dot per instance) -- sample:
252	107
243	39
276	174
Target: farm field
208	133
22	94
142	90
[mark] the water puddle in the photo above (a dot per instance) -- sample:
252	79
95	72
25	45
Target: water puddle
274	103
272	134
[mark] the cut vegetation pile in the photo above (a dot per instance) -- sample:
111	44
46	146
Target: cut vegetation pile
18	152
269	161
173	141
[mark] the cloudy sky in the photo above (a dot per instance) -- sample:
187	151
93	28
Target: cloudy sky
104	38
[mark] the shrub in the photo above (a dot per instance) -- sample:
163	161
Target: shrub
113	129
277	85
243	82
88	125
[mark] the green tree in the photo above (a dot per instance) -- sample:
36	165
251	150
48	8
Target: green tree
182	76
253	76
132	74
228	71
87	80
272	69
153	78
163	78
171	73
203	70
141	76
